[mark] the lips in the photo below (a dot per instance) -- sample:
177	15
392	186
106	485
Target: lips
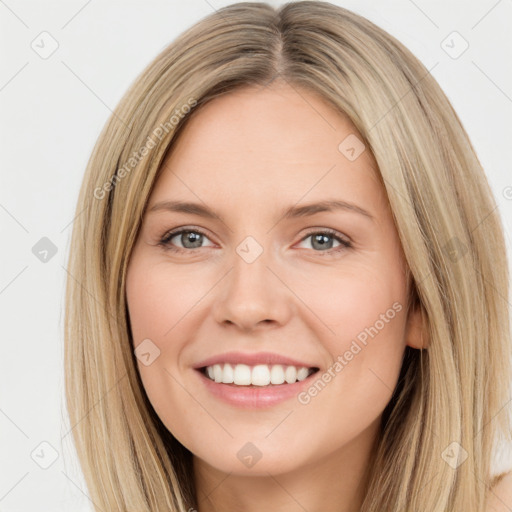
252	397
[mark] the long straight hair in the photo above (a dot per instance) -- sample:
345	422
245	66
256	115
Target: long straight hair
449	402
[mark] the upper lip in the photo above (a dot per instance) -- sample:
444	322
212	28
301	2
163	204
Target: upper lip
252	359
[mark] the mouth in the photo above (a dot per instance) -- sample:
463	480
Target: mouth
257	376
255	387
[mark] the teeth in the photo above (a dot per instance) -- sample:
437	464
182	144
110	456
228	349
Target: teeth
228	375
242	375
259	375
302	373
277	374
290	374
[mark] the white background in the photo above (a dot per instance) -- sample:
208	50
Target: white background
52	111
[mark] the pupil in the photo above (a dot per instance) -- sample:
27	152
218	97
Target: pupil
323	239
193	237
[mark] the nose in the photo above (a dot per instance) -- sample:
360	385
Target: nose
253	295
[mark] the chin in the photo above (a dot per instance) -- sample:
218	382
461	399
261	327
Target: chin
268	463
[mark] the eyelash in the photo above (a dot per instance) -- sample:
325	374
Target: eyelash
168	236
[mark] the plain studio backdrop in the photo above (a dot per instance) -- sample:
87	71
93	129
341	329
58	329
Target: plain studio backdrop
65	65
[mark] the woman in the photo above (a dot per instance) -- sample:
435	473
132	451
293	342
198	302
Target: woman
336	336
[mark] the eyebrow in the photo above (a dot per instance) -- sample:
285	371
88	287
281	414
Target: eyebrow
289	213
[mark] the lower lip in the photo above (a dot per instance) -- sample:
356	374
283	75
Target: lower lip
255	397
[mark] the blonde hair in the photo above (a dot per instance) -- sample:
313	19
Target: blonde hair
445	214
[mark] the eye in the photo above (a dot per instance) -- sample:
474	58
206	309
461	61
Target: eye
320	240
190	238
193	238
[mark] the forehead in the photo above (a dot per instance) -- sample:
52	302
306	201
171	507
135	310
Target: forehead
277	142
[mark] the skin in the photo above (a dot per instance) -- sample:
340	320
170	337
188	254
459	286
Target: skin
294	299
500	498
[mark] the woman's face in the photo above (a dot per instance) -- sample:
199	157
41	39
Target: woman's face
250	279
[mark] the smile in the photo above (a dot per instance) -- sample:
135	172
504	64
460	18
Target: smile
258	375
250	395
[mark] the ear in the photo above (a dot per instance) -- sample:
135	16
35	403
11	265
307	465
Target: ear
416	334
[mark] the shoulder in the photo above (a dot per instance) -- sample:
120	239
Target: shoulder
500	494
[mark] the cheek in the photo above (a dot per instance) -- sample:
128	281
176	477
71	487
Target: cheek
364	310
349	302
162	307
153	311
157	301
366	352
